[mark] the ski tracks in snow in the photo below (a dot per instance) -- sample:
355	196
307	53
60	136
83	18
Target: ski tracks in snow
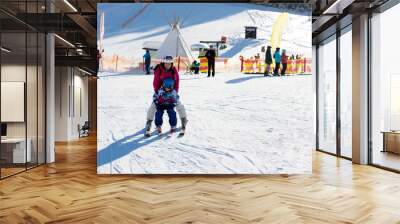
253	125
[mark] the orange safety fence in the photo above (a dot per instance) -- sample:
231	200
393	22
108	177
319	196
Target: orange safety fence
203	65
180	63
117	63
295	66
218	61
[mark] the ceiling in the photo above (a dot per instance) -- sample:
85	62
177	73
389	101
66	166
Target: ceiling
330	15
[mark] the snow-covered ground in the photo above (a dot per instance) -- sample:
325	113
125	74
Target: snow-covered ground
238	124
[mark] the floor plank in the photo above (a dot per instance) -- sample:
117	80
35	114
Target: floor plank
70	191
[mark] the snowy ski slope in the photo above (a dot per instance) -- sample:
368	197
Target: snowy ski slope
237	124
202	22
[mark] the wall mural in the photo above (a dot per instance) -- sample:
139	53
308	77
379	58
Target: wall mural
204	88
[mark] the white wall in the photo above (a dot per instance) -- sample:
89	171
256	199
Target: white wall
79	103
71	93
33	126
62	82
12	73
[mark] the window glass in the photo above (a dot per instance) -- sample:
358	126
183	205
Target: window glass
385	87
346	93
327	95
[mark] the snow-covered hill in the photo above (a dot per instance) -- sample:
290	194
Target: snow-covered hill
201	21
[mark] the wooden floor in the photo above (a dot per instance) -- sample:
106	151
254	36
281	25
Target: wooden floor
387	159
69	191
5	172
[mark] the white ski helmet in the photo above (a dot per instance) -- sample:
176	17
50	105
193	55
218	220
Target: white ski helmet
168	59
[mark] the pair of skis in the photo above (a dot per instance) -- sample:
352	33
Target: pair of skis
159	132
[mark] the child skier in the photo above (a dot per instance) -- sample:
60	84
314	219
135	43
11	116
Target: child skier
165	100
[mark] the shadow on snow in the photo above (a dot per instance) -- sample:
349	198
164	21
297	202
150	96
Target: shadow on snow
243	79
126	145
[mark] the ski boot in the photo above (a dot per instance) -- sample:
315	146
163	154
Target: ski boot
183	122
173	129
159	130
148	128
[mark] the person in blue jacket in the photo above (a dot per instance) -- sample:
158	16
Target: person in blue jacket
147	61
166	99
277	58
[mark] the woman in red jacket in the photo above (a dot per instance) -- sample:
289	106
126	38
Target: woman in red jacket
165	70
162	71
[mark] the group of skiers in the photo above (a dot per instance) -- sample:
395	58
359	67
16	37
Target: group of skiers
278	58
195	66
210	55
166	87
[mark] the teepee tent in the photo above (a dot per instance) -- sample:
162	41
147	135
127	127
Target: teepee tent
175	46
